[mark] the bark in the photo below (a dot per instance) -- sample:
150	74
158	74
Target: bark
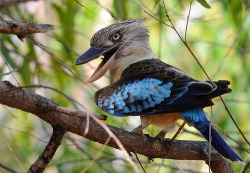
152	147
21	29
50	150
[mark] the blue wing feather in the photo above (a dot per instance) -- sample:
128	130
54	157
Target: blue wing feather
148	95
135	96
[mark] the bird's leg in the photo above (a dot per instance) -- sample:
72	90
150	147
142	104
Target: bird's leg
162	134
138	129
145	121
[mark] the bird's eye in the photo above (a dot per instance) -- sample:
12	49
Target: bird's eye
116	36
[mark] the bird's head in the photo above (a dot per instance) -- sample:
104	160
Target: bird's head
120	44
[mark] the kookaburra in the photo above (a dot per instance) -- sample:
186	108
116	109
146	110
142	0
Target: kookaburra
142	85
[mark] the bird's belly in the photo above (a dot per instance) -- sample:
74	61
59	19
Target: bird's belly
164	120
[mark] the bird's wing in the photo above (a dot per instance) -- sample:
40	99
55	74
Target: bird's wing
159	90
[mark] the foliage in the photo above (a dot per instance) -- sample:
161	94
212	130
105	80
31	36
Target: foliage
47	59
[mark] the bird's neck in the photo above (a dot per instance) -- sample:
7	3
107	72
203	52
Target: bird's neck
141	53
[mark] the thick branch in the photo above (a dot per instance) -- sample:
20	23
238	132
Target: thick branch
21	29
153	148
50	150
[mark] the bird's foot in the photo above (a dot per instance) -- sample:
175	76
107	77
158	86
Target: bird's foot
144	137
129	153
213	153
138	131
150	160
161	135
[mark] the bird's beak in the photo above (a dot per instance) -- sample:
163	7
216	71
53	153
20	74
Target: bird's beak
110	56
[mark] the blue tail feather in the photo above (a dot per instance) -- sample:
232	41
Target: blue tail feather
198	119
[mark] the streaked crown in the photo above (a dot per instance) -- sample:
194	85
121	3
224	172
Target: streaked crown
104	36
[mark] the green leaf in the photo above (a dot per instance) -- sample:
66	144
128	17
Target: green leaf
156	2
236	9
203	3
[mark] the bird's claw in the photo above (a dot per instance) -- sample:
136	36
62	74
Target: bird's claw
161	135
138	131
129	153
150	160
160	138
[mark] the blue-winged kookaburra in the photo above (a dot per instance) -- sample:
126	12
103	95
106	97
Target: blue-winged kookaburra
142	85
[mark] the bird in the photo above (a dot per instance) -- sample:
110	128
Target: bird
143	85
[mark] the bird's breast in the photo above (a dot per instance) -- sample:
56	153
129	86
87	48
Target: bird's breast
115	75
163	120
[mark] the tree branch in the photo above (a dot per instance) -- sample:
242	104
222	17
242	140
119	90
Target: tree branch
50	150
7	168
152	148
21	29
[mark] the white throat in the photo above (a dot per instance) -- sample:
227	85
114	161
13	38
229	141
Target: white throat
123	63
129	54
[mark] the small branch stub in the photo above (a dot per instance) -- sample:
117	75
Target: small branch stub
21	29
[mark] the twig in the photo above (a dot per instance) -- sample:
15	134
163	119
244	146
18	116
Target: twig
160	34
177	133
210	140
44	48
80	4
9	68
8	3
185	43
21	29
39	139
2	167
178	167
234	121
87	126
12	152
227	136
73	112
109	12
7	168
223	133
49	151
188	21
246	167
226	55
118	142
139	162
151	15
97	155
10	72
89	157
159	167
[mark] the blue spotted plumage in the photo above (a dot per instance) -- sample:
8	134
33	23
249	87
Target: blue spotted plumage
135	96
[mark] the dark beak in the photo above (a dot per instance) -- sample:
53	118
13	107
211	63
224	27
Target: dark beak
92	53
110	56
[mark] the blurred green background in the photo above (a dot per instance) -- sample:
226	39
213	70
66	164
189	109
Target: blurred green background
221	47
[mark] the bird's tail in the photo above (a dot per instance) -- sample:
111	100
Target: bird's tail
198	119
